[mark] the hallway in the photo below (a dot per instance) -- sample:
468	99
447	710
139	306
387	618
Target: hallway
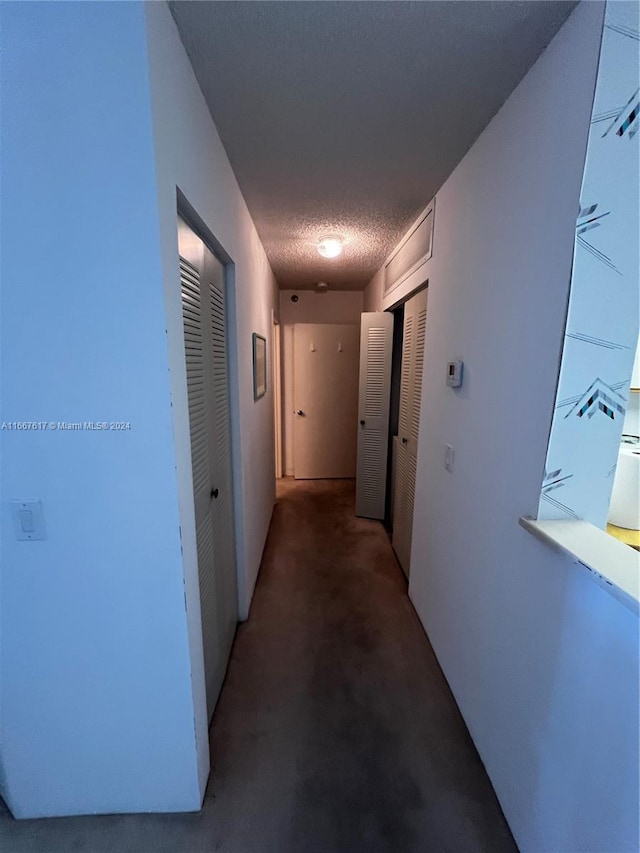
335	731
333	165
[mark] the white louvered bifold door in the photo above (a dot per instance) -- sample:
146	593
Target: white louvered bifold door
203	314
222	506
376	343
401	493
415	320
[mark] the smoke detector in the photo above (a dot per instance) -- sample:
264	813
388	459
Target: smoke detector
322	287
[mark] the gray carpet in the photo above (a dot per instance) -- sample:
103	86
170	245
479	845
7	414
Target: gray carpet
335	731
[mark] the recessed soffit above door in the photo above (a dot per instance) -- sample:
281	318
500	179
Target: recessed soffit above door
346	117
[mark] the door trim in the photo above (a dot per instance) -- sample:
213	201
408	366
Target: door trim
277	394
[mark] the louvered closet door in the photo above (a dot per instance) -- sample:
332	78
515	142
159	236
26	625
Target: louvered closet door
415	319
196	337
376	342
222	505
203	311
400	509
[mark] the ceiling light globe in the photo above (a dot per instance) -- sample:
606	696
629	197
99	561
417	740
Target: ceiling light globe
330	247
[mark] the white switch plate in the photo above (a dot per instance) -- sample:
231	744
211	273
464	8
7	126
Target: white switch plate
454	373
448	457
28	520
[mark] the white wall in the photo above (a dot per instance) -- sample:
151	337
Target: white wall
542	662
97	711
190	156
372	297
311	307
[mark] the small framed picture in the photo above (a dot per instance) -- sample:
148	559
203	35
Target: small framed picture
259	366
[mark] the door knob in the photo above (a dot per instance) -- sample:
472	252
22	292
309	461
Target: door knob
362	423
214	493
404	440
300	412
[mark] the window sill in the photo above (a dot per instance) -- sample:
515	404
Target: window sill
611	564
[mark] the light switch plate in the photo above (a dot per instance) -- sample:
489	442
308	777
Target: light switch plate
28	520
455	370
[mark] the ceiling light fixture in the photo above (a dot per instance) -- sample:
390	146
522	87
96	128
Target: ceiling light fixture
329	246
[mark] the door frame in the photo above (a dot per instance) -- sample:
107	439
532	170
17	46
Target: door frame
182	444
187	212
277	393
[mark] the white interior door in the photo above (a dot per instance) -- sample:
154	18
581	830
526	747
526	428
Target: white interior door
204	319
376	343
325	393
415	319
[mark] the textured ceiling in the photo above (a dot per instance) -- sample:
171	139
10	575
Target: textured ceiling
346	117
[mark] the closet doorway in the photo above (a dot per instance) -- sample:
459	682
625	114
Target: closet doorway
203	289
405	450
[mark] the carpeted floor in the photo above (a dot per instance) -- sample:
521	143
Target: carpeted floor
335	731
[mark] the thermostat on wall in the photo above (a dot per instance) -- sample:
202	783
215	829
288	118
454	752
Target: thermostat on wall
454	373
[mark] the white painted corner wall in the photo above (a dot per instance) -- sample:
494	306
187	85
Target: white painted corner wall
96	702
330	307
189	155
542	662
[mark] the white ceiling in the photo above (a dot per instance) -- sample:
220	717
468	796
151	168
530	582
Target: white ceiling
346	117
